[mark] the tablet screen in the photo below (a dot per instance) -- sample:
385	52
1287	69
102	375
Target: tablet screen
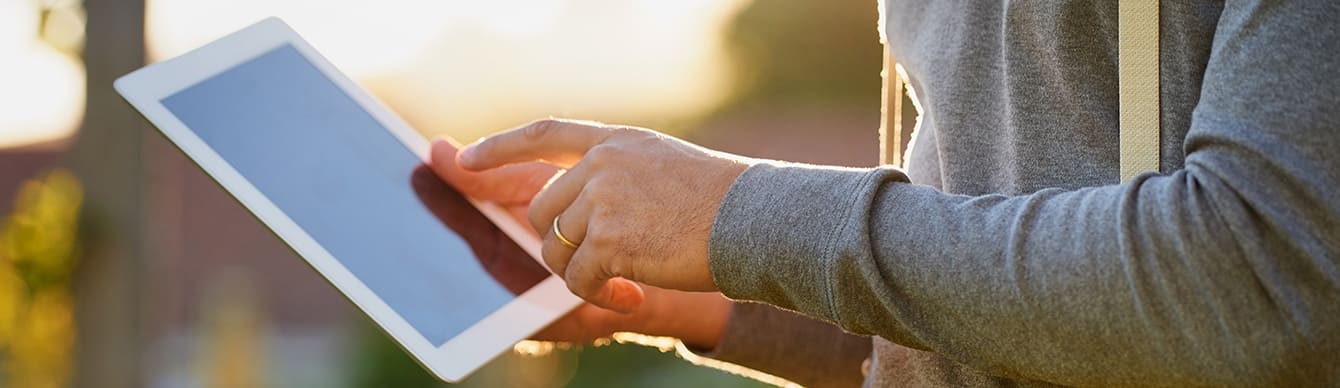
358	191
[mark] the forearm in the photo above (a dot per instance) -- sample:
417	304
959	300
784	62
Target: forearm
1044	286
1223	272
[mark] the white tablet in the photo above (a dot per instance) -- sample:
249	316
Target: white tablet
340	178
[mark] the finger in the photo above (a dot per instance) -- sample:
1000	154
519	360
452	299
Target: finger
521	213
572	223
510	185
559	142
588	276
560	194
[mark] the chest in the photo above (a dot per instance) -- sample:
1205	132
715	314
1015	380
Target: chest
1017	96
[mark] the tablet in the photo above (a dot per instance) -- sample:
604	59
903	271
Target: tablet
340	179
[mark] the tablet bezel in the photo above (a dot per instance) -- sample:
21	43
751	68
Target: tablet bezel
460	355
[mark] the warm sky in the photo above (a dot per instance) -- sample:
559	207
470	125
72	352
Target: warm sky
463	68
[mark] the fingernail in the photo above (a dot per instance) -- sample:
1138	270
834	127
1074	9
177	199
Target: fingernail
467	154
625	296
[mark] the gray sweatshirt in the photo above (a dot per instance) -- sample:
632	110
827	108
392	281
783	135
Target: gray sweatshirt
1008	253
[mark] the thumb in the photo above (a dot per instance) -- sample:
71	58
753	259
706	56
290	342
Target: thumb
620	295
586	276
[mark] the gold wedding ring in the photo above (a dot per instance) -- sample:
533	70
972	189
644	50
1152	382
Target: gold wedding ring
561	239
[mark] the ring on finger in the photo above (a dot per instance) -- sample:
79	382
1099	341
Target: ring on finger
562	239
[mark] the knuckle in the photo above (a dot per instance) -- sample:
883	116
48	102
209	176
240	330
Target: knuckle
573	287
606	214
629	132
619	268
638	136
537	130
603	238
603	190
576	279
595	189
602	155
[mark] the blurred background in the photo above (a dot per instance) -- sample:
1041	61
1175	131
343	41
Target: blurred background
123	265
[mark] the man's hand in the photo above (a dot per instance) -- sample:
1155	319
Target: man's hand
697	318
639	204
511	187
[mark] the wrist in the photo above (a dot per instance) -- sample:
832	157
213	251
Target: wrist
696	318
706	334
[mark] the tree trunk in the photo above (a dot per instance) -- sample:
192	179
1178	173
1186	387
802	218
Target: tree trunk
108	157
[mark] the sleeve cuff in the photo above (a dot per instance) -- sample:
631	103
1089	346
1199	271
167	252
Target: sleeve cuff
775	233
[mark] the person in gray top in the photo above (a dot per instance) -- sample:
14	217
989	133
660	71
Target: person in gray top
1007	252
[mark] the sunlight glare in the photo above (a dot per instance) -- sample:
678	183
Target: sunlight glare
468	68
609	60
18	24
43	95
511	17
361	37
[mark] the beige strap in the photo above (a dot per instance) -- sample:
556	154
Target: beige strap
1138	69
891	124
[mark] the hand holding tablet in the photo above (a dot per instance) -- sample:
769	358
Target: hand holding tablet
339	178
696	318
635	206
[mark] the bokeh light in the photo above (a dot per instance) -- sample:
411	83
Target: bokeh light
37	257
42	98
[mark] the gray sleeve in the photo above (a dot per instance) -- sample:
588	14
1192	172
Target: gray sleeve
1222	273
794	347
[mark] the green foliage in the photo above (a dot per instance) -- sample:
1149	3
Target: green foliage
378	362
38	246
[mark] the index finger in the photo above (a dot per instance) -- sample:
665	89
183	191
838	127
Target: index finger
513	185
555	141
